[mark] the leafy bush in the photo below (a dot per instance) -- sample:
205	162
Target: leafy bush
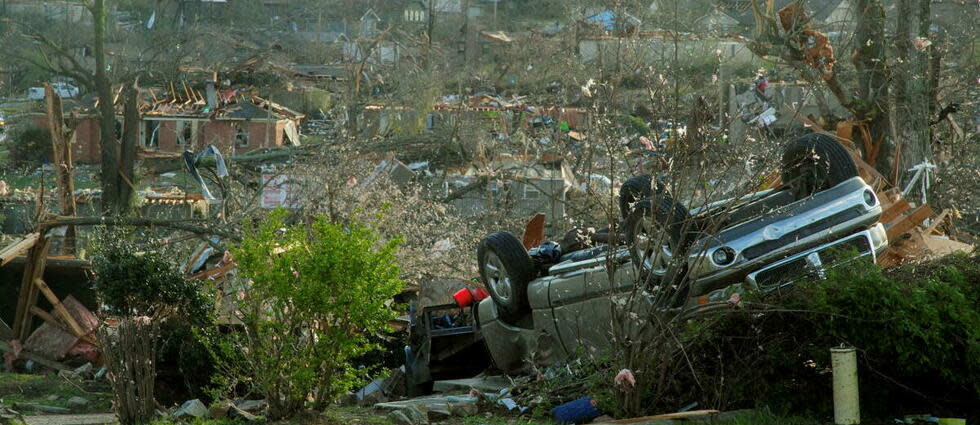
131	279
916	328
29	145
314	294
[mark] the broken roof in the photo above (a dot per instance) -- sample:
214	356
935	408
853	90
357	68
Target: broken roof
182	101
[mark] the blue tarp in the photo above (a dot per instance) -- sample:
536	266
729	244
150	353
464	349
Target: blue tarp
607	18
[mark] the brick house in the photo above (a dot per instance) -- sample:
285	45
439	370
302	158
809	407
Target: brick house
235	124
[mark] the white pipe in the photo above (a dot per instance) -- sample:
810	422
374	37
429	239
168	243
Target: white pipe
847	409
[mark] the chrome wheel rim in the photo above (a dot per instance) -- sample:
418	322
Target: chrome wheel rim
497	277
652	246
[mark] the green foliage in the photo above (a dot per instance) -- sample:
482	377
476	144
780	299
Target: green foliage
131	278
314	294
916	328
29	145
37	389
928	326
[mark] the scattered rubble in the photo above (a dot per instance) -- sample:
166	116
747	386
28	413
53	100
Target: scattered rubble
191	408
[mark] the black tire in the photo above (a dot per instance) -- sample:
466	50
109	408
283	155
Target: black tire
636	189
814	163
502	257
659	223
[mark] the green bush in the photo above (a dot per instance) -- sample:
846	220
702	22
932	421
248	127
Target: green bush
133	278
916	328
313	295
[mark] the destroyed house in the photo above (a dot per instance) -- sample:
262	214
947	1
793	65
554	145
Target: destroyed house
522	185
234	121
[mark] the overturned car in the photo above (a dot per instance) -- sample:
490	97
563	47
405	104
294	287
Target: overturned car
552	307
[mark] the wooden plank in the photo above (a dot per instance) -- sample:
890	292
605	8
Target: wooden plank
889	196
894	210
17	248
76	329
37	358
935	222
677	415
908	222
27	297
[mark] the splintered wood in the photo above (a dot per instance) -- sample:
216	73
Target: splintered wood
914	232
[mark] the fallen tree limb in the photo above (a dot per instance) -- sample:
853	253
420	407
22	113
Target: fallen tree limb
187	225
163	165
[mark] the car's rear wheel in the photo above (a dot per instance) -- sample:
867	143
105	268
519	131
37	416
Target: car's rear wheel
506	270
654	231
814	163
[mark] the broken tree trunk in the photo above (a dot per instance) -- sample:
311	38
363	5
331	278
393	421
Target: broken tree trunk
130	356
64	170
872	105
127	149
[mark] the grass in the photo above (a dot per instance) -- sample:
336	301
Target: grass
504	420
351	415
196	421
51	390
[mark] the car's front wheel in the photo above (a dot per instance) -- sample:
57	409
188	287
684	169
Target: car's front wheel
506	270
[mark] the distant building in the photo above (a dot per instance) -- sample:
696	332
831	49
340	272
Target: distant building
235	123
369	24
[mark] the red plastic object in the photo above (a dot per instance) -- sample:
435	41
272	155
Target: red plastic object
480	294
463	297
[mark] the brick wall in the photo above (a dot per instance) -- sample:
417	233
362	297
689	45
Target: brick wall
85	149
223	135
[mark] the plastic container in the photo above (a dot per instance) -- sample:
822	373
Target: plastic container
463	297
480	294
466	296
